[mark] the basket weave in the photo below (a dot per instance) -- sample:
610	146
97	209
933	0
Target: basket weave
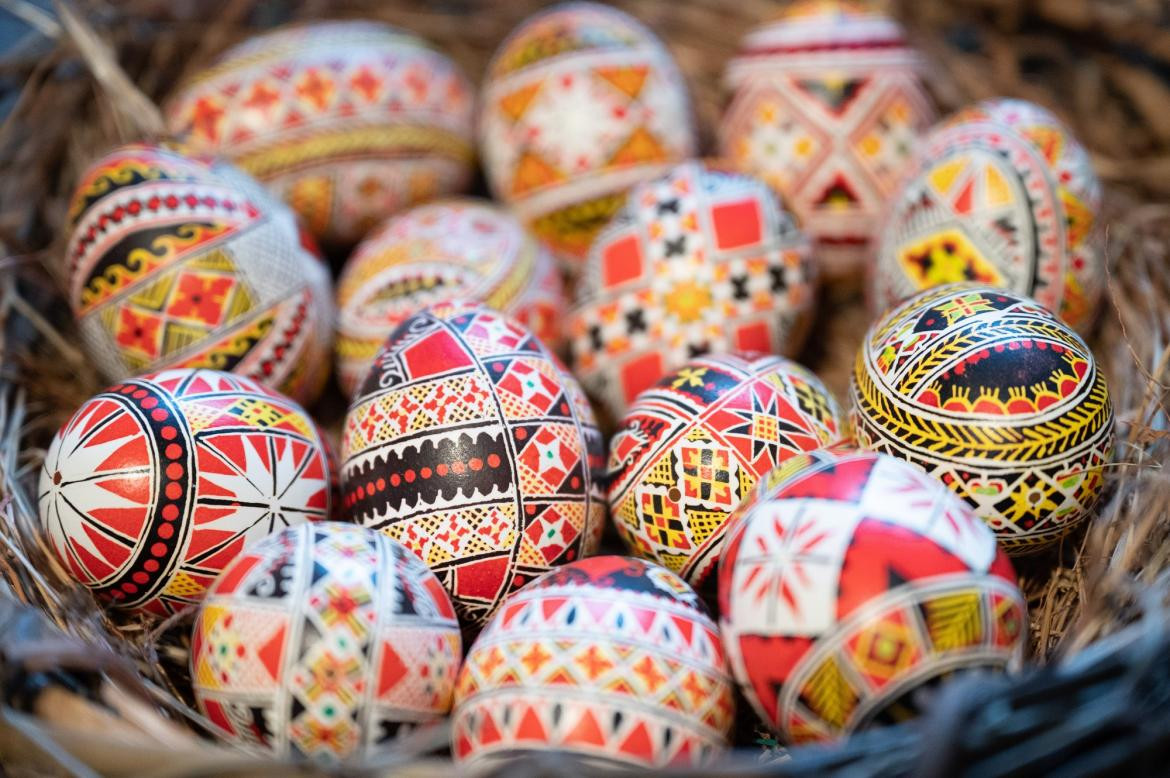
1100	65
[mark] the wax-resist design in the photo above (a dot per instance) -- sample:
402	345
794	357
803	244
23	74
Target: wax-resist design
580	103
828	108
1001	194
468	249
611	659
158	482
469	444
701	261
347	121
326	641
174	261
988	391
691	448
852	579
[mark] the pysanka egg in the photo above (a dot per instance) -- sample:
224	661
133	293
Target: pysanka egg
851	581
828	108
991	393
326	641
181	262
691	448
1001	194
701	261
466	248
580	102
610	659
472	446
348	121
156	484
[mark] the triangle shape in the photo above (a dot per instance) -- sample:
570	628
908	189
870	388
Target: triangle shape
271	652
531	727
514	104
627	79
586	731
638	744
391	671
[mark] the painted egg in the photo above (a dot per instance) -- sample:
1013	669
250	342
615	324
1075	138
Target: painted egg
1001	194
472	446
470	249
991	393
580	103
701	261
180	262
327	642
690	449
851	582
348	121
828	108
612	660
158	482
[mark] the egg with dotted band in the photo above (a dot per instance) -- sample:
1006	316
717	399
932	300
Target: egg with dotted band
157	483
470	444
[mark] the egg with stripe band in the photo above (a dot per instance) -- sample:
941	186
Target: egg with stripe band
157	483
852	581
472	446
579	103
828	107
691	448
991	393
612	661
327	642
176	261
347	121
701	261
1000	194
464	248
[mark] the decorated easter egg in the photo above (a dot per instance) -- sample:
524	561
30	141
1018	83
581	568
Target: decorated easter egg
701	261
348	121
991	393
850	582
1001	194
828	107
691	448
579	103
180	262
156	484
325	641
468	249
472	446
612	660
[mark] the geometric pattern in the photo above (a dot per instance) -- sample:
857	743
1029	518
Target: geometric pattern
693	447
179	262
469	444
325	642
611	659
850	581
579	103
1002	195
157	483
992	394
466	248
347	122
828	110
701	261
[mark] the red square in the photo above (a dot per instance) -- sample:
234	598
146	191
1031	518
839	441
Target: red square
621	261
641	373
438	352
754	337
737	224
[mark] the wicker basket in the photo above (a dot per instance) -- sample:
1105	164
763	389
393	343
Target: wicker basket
83	693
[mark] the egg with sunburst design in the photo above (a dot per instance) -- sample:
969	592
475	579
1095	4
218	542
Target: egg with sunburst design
693	446
701	261
158	482
991	393
850	583
470	444
178	261
347	121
